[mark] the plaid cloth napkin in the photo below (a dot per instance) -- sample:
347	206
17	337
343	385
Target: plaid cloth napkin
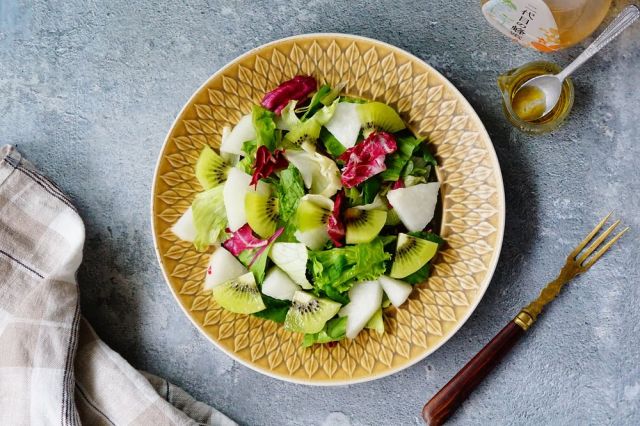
53	367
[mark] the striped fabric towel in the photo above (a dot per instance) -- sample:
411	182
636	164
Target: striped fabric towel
53	368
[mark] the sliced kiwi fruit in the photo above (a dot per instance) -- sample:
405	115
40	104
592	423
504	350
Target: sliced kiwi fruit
311	216
211	169
362	226
240	295
411	254
306	131
309	313
376	115
392	218
262	213
376	322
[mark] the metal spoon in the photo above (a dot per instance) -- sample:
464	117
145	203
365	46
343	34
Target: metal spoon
551	85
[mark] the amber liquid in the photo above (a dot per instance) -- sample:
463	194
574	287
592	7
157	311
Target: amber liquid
576	19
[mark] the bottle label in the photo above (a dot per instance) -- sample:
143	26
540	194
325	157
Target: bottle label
529	22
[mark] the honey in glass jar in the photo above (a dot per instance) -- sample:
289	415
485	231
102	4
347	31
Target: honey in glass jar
545	25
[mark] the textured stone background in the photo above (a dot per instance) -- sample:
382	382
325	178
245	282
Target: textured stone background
88	90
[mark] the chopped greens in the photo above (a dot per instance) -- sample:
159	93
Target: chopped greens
318	193
340	268
276	309
334	330
263	122
397	161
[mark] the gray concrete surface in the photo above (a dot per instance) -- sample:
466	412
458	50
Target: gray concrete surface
88	90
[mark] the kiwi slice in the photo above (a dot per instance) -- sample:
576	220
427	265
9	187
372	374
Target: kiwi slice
376	322
309	313
362	226
411	254
211	169
376	115
307	131
392	218
240	295
262	213
311	215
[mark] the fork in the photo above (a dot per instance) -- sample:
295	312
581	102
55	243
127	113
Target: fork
446	401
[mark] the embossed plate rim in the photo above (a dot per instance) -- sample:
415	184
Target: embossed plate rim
491	266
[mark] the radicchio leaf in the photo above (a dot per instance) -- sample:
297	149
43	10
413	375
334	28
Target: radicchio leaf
298	88
398	184
366	159
268	241
335	225
243	239
267	163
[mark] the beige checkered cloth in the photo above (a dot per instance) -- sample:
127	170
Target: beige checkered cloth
54	370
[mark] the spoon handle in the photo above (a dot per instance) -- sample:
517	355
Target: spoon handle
627	17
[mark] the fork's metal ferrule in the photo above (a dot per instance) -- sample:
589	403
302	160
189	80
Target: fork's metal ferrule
524	320
529	314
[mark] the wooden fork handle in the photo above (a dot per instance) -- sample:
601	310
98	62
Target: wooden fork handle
447	400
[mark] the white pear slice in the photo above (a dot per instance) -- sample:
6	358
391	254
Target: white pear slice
345	124
315	239
365	299
242	132
397	291
415	205
277	284
292	259
223	266
184	228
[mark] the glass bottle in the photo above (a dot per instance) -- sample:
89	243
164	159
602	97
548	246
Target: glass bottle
545	25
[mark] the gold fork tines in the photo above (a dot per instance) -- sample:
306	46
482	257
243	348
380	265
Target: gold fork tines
578	262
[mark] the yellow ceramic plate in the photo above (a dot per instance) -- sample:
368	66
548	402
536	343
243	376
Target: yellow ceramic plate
471	191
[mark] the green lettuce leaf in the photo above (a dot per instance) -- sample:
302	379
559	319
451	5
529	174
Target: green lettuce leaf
250	147
353	195
429	236
337	269
333	93
335	329
209	218
258	267
418	276
331	144
370	188
289	190
316	101
426	155
246	165
265	127
397	161
353	100
276	309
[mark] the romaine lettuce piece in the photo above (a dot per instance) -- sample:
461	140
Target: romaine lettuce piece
397	161
340	268
265	127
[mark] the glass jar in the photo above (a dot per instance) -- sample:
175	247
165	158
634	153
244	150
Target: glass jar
545	25
512	80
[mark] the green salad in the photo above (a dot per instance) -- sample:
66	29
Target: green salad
319	208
